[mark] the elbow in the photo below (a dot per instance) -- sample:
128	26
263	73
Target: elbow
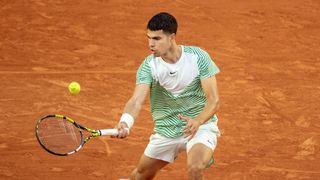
215	104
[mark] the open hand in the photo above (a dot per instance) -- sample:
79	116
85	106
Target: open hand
191	127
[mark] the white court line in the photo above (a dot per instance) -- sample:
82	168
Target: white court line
67	72
267	168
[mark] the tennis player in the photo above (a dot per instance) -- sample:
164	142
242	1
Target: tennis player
184	101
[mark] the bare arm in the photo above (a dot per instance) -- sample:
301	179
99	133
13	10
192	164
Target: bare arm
209	86
133	107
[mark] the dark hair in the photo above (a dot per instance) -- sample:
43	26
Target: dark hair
163	21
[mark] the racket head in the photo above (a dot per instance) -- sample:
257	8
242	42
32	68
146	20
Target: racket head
59	135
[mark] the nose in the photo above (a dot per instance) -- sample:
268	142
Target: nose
151	43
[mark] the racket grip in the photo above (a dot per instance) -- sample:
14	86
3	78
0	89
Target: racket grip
111	132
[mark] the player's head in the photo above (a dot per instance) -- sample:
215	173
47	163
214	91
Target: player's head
162	29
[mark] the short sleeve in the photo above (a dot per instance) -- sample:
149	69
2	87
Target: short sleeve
144	75
207	67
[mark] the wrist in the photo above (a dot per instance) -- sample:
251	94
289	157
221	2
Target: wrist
127	119
198	121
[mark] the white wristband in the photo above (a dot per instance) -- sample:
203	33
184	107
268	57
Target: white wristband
128	119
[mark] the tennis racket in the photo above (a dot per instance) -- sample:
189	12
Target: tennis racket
62	136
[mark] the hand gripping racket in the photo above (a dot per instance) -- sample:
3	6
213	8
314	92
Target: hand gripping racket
62	136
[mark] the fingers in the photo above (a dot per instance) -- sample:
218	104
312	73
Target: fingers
188	126
123	131
189	133
190	129
189	137
183	117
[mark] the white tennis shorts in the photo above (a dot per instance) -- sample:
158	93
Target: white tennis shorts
167	149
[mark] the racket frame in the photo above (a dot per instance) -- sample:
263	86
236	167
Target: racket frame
94	133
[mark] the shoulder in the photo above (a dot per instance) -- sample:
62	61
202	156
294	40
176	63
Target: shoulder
145	66
148	59
195	50
202	58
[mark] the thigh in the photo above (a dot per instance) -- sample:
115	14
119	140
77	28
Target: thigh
150	165
200	148
199	155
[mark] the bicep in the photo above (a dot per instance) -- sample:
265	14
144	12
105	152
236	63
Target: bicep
209	86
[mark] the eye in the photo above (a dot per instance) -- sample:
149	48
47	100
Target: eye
154	38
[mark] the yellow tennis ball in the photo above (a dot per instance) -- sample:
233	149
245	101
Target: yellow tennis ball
74	88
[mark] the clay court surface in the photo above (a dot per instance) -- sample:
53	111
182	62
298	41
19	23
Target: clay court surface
269	57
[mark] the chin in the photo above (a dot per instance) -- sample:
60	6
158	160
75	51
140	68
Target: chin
156	55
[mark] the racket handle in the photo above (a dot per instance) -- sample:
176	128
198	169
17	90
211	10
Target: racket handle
111	132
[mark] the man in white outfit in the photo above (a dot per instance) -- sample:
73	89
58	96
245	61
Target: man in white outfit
184	101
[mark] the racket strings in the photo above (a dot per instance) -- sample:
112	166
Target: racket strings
58	135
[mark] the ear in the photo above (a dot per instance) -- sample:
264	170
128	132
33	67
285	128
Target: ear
173	36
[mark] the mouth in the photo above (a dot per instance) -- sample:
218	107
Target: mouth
153	51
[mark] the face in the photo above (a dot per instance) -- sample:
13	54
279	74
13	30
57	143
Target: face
159	42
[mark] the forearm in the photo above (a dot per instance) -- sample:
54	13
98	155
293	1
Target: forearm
208	111
130	112
133	108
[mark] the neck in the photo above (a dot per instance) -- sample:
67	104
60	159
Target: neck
173	54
